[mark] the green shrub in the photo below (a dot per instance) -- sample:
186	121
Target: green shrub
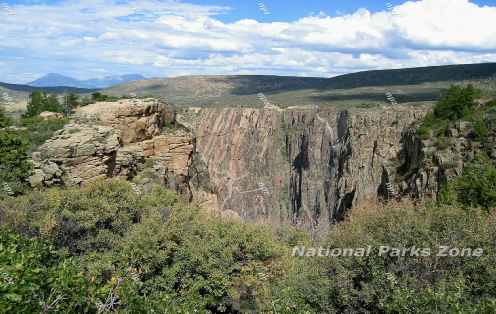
145	253
456	103
34	278
14	165
186	260
4	120
399	284
476	187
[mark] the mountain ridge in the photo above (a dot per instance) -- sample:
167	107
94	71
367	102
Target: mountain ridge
59	80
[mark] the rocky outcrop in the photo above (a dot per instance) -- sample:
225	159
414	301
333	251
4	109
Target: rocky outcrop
426	165
135	119
109	139
76	154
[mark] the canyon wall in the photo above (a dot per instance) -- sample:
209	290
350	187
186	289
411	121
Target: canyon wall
297	165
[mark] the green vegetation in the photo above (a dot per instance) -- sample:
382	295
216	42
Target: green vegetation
40	101
476	187
14	165
38	130
152	253
4	120
392	283
16	144
458	103
34	278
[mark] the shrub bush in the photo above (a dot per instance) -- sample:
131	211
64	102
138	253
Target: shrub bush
476	187
399	284
151	253
34	278
14	165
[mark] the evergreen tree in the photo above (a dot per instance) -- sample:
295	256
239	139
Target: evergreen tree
40	101
71	101
14	164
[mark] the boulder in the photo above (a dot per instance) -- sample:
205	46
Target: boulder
51	115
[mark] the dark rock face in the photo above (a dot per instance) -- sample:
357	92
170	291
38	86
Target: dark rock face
302	166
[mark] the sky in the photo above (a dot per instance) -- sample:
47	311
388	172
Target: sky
163	38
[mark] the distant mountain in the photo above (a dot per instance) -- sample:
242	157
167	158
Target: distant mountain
57	80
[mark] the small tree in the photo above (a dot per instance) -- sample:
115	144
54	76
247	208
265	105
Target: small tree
40	101
456	103
71	101
14	165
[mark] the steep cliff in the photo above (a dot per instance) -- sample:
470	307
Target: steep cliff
303	166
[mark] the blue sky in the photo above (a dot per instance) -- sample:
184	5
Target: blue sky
159	38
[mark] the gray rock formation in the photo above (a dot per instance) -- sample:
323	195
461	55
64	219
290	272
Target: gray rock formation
304	166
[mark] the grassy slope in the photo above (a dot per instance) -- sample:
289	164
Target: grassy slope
408	85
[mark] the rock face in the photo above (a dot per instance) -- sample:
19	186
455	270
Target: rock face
109	139
76	154
305	166
51	115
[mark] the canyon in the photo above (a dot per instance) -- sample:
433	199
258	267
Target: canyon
305	165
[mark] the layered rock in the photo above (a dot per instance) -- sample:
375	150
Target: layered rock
109	139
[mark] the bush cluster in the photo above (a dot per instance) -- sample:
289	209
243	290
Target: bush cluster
110	249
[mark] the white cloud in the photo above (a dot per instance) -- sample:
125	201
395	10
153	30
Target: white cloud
169	37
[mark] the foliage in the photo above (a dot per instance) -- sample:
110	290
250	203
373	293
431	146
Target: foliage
476	187
146	248
34	278
14	164
39	130
71	101
95	97
4	120
150	252
40	101
457	103
393	283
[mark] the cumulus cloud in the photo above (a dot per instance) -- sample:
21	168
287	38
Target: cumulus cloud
167	38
